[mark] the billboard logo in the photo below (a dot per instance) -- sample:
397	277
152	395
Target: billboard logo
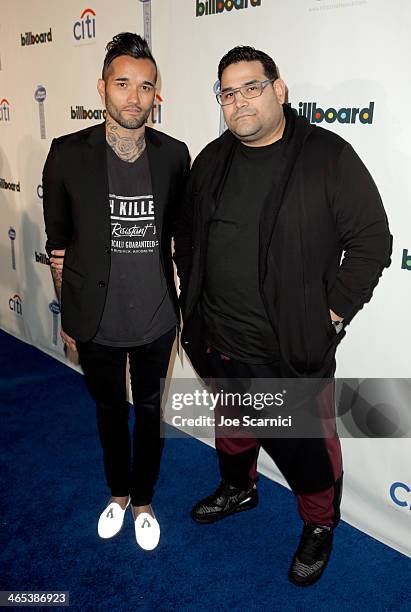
16	305
40	96
54	308
397	494
406	260
4	110
85	29
6	185
41	258
34	39
315	114
215	7
12	235
79	112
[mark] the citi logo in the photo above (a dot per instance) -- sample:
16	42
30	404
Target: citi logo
406	260
12	186
79	112
215	7
4	110
41	258
85	29
156	110
398	494
34	39
16	305
315	114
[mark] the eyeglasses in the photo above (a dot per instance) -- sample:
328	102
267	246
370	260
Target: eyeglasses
253	90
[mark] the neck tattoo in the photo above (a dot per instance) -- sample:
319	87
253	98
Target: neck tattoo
126	147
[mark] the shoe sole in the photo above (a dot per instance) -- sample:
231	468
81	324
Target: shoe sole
112	536
218	517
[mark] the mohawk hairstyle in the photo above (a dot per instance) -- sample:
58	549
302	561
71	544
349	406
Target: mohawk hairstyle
126	43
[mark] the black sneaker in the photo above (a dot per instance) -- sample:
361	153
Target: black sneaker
312	555
224	501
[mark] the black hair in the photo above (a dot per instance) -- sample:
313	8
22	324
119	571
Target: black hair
248	54
127	43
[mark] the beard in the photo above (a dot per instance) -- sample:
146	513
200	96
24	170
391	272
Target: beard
246	130
247	135
131	123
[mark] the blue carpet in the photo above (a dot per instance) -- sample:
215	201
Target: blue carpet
53	490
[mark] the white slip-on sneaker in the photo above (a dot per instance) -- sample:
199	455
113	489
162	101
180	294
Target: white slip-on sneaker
111	520
147	530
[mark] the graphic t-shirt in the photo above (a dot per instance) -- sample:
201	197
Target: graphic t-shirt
235	317
138	307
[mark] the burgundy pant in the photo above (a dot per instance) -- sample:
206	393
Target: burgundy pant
312	467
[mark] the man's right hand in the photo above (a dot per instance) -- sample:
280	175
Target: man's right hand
68	341
56	263
57	259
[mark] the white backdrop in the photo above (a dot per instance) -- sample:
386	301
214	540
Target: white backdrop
336	54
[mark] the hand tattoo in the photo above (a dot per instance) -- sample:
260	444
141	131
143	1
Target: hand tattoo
127	148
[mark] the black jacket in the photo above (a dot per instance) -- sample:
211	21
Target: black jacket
325	204
77	217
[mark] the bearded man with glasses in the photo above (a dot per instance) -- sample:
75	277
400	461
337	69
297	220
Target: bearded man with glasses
271	207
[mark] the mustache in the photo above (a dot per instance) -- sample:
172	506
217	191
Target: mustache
137	108
247	114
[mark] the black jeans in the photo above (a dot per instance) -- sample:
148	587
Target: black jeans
130	469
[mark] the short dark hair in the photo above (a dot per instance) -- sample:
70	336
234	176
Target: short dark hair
127	43
248	54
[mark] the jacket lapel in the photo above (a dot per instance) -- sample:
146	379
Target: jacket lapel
213	185
95	175
160	170
292	142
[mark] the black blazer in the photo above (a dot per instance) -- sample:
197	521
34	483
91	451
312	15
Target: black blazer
325	204
77	217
